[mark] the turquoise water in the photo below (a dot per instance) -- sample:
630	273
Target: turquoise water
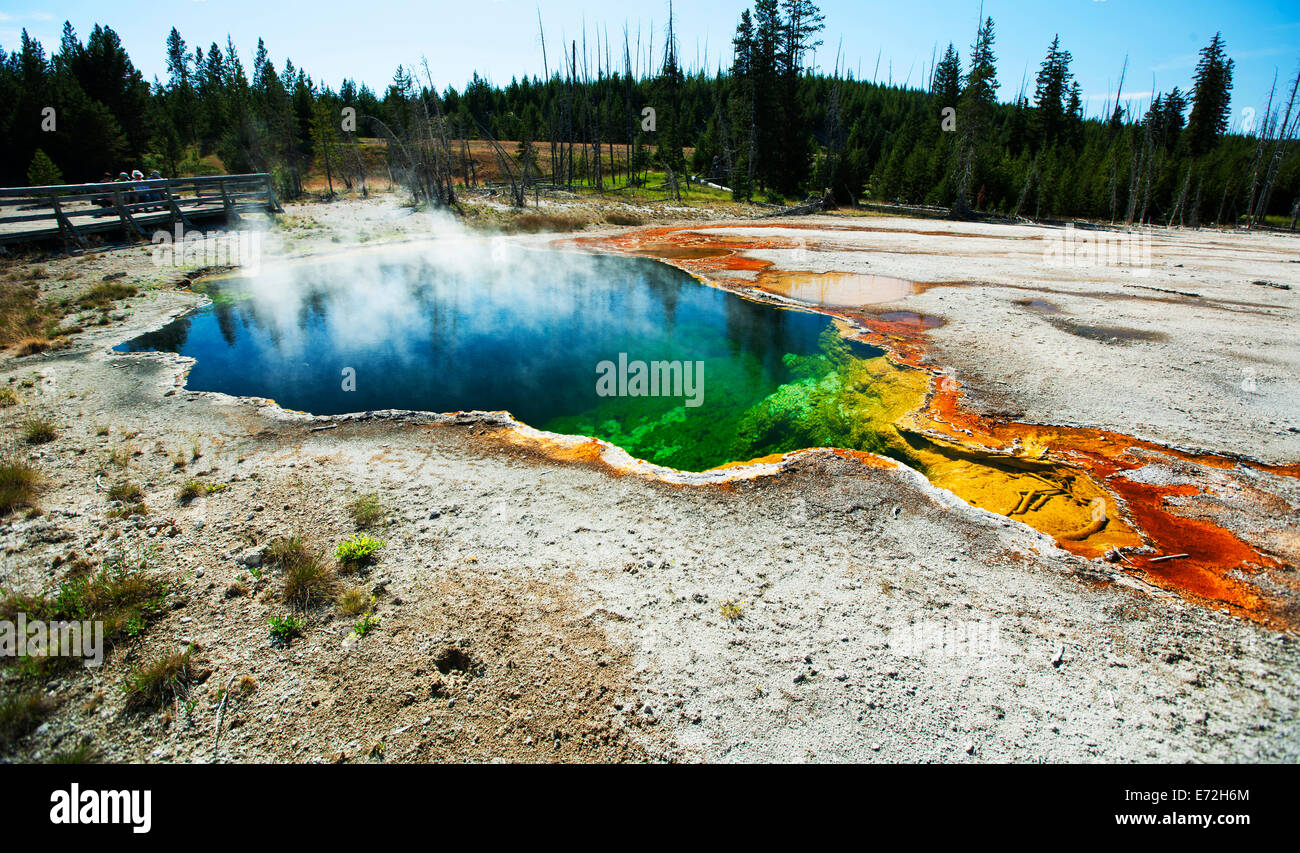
531	334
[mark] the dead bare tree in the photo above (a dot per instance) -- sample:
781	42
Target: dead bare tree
1286	131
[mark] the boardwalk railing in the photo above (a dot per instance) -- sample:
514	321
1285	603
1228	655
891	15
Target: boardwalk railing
72	211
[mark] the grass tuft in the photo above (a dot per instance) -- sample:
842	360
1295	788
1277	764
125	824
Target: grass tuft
308	580
366	511
21	714
38	430
18	482
31	345
124	595
101	295
83	754
126	492
353	601
162	679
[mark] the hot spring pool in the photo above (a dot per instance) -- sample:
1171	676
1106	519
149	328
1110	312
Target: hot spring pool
554	338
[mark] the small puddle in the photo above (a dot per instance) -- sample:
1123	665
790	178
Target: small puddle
1108	334
669	252
837	289
911	318
1039	305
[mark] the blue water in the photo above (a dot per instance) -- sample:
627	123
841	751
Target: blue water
449	332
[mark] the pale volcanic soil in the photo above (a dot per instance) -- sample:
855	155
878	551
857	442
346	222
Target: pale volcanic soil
880	618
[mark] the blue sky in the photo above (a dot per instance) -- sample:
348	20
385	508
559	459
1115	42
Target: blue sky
498	38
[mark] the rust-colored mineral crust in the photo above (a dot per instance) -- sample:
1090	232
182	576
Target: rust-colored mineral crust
1067	482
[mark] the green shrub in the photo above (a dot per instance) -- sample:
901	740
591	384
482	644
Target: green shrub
285	628
358	549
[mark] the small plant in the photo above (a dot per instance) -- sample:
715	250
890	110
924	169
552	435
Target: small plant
119	457
307	578
358	549
164	678
18	482
101	429
8	397
732	610
285	628
353	601
214	488
126	492
285	549
127	510
101	295
32	345
366	511
365	624
191	490
124	595
21	714
82	754
38	430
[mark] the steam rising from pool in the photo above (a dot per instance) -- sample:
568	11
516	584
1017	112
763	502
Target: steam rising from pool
462	322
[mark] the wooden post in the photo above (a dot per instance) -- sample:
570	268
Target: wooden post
174	207
125	215
66	228
231	216
271	201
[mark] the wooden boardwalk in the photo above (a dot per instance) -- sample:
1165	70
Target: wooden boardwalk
71	212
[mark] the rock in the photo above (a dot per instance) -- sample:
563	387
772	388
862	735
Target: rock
252	557
970	748
198	573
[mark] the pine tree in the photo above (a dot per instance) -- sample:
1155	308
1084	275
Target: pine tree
1211	97
42	172
947	78
1050	94
979	98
